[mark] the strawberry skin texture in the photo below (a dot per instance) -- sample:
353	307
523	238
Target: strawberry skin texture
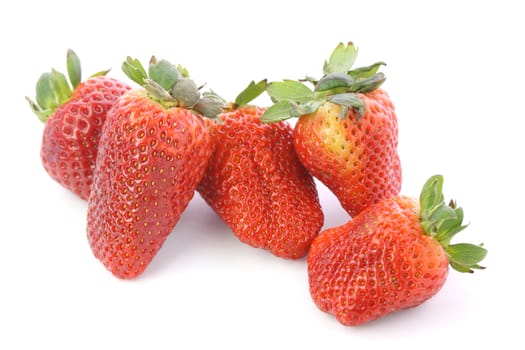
71	135
256	184
357	161
378	263
149	163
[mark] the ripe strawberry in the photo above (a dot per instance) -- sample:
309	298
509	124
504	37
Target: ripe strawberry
73	122
152	154
256	184
393	255
347	133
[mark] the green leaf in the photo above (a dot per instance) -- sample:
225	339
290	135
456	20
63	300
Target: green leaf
73	68
431	195
164	73
250	93
365	72
289	90
158	93
442	214
341	59
448	228
333	81
60	86
186	93
465	256
100	73
368	84
45	97
282	110
308	107
210	105
134	70
442	222
43	115
349	100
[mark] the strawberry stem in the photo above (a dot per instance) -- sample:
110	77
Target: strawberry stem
340	85
443	222
170	86
53	89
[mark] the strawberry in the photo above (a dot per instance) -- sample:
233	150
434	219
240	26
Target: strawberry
152	154
256	184
393	255
73	118
347	131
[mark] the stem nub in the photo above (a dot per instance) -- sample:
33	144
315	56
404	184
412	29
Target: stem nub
443	222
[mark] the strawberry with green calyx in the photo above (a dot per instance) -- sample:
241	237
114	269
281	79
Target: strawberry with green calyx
393	255
347	131
73	114
152	154
256	184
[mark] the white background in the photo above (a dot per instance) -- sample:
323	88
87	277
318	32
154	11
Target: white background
455	75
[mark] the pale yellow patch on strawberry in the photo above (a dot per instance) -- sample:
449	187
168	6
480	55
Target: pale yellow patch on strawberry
332	134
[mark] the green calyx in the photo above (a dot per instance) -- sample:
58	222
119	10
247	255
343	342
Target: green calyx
340	85
250	93
443	222
171	86
53	88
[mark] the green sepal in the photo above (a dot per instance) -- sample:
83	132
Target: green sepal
341	59
450	227
368	84
334	81
281	110
250	93
186	92
290	90
365	72
465	256
210	105
43	115
74	70
60	86
309	107
134	70
158	93
163	72
100	73
432	193
45	97
349	100
443	222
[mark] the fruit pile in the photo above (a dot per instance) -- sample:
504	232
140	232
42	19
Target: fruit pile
137	155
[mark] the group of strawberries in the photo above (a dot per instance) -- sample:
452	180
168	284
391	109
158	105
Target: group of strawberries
139	155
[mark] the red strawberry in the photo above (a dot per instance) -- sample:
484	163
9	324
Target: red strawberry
393	255
347	133
74	120
152	154
256	184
